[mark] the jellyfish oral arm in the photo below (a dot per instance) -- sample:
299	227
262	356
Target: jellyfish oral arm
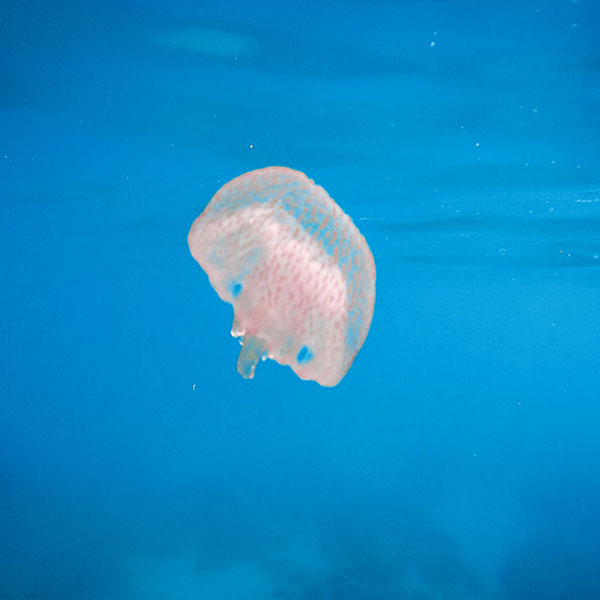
252	351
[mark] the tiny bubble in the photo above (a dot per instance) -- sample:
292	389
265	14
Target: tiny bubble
251	146
431	44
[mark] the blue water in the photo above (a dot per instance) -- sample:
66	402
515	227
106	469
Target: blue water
460	456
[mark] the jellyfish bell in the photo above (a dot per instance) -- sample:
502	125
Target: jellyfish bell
300	276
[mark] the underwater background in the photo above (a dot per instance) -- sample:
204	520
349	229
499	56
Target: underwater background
458	459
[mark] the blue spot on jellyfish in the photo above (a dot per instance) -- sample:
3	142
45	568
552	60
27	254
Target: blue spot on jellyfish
308	274
236	289
305	355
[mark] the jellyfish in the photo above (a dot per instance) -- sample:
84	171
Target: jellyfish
299	274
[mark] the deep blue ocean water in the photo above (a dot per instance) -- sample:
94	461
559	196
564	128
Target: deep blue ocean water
460	456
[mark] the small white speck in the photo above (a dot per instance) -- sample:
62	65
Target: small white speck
251	146
193	387
476	144
431	44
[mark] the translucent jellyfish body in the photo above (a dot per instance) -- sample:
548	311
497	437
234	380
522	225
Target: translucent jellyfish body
300	276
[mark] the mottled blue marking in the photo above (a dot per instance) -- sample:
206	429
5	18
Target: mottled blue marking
236	289
305	355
